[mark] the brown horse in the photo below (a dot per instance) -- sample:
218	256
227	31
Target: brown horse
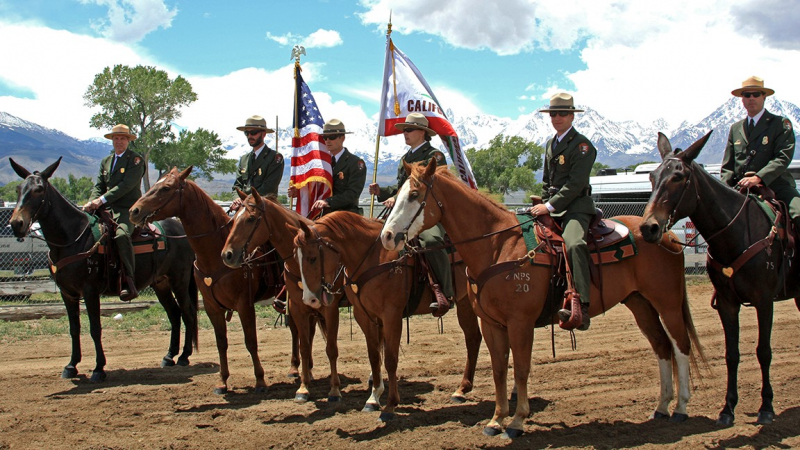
651	284
260	221
346	244
224	290
747	264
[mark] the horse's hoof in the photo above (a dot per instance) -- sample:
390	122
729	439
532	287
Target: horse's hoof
659	416
765	417
334	399
69	372
183	362
261	390
512	433
167	362
492	431
221	390
725	420
98	376
678	418
300	398
371	407
386	417
458	399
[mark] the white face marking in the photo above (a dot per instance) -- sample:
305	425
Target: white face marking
161	180
307	295
241	211
404	209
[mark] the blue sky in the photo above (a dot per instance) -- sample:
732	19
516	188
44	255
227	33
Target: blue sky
628	59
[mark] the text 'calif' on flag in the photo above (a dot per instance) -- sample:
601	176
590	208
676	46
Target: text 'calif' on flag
311	170
406	91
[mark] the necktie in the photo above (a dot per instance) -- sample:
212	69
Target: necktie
555	143
333	161
114	163
752	125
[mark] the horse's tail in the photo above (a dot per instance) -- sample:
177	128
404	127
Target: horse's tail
696	354
194	300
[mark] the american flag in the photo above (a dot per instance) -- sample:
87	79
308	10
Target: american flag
311	162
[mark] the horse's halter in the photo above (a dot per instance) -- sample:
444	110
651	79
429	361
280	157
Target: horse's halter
178	191
671	217
35	217
328	287
262	212
423	203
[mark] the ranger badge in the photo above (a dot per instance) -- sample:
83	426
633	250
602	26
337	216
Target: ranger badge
765	141
341	175
561	159
737	142
361	165
584	148
278	158
242	170
259	171
122	170
136	161
787	124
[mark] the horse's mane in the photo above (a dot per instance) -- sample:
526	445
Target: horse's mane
444	172
344	223
217	212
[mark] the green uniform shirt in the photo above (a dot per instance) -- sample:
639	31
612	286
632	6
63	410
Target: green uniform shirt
423	154
349	176
264	174
567	168
122	186
771	143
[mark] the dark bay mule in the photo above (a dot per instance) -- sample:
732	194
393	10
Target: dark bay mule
343	244
752	266
66	228
651	284
224	290
263	220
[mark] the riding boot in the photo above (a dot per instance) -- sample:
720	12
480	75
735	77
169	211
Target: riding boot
441	305
565	315
127	290
439	265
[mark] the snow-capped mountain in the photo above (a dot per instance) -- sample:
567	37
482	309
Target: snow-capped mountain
619	144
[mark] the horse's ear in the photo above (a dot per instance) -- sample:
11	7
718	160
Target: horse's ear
691	153
21	171
256	196
241	193
430	169
408	167
186	172
48	172
664	147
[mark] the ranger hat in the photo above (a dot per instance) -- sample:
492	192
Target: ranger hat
334	127
561	102
416	121
121	129
753	83
255	123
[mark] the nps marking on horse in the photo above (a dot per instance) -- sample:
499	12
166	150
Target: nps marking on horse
260	221
379	295
732	224
67	232
651	284
224	290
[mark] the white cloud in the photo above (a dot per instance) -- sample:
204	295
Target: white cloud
131	20
318	39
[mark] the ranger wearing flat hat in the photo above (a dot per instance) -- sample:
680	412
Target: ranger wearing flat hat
262	168
118	187
761	143
418	136
568	161
348	170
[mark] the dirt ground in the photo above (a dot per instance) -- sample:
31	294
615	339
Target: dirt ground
599	396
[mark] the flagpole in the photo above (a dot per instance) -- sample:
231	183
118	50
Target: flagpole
378	137
296	52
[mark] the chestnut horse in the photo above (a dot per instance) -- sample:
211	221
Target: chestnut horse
651	284
260	221
735	227
224	290
81	271
346	244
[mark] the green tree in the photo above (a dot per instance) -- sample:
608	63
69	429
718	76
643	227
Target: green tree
9	192
145	99
201	149
78	190
597	166
508	164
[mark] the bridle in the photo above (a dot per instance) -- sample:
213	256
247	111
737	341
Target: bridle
178	192
35	217
328	287
422	204
248	260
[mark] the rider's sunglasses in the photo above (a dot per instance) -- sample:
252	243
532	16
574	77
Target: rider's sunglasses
252	132
559	113
331	137
752	94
